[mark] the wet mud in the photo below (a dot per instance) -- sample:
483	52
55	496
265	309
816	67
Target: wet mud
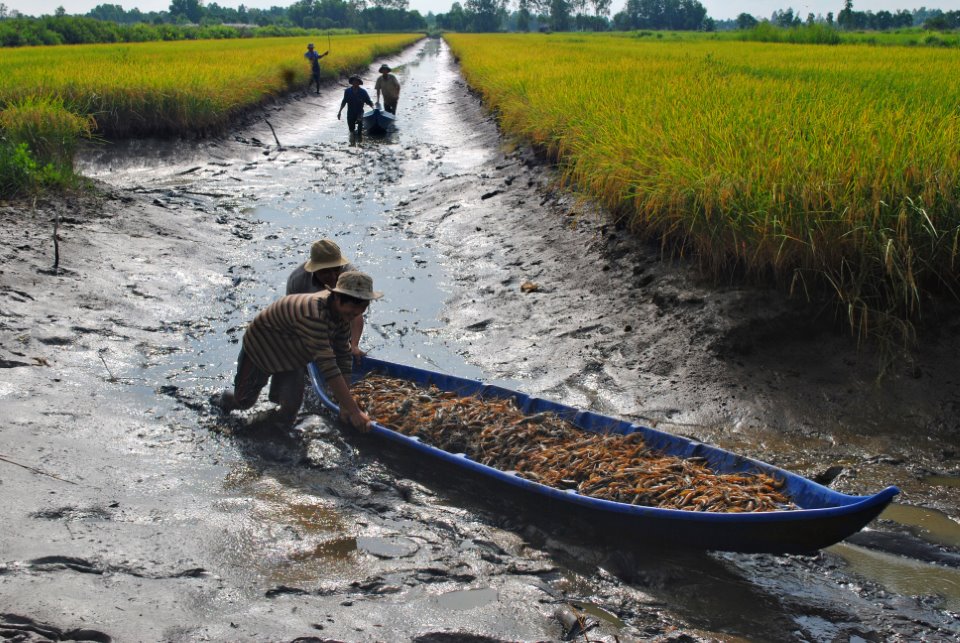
134	512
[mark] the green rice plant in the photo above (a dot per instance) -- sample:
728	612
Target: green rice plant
158	88
827	169
38	139
815	34
49	130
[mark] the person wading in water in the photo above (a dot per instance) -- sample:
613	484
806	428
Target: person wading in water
294	331
390	86
354	98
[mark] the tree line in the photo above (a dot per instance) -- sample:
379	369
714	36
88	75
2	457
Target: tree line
675	15
850	20
192	19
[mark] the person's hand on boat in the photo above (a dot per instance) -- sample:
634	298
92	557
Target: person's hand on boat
356	351
358	420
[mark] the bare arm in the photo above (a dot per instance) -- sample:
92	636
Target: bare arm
356	330
349	410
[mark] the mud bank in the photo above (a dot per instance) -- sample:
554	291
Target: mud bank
145	517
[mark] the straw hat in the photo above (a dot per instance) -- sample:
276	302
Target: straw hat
310	46
356	284
384	68
324	254
356	78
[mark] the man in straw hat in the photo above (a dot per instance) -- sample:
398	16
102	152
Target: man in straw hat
290	333
321	272
390	86
354	98
314	59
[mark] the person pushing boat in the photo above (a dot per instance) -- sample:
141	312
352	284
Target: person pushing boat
314	59
390	86
354	98
294	331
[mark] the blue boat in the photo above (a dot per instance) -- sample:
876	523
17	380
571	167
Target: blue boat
824	516
379	121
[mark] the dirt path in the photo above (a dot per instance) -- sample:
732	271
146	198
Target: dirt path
165	523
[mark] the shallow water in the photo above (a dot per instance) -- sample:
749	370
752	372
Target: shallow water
321	513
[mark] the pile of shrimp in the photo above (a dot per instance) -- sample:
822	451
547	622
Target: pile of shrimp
547	449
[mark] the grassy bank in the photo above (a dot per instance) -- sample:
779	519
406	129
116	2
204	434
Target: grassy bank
822	168
176	87
156	88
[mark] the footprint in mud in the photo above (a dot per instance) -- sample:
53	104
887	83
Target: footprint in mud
20	628
75	513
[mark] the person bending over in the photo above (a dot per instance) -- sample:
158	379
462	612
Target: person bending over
290	333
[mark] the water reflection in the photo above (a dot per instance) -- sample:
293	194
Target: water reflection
280	532
904	575
466	599
943	481
929	524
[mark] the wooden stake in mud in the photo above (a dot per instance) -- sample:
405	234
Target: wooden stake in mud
35	470
274	133
56	245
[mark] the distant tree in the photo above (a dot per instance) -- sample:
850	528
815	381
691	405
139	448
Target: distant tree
191	10
578	8
601	7
746	21
486	14
937	23
108	12
560	15
3	11
392	4
60	12
523	15
785	18
830	18
453	20
661	14
883	20
845	17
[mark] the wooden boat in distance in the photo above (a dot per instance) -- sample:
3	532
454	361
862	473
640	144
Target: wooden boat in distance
824	516
379	121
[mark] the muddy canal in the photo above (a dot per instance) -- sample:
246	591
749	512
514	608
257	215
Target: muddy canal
133	513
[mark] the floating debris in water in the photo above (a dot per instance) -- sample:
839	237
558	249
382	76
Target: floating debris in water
547	449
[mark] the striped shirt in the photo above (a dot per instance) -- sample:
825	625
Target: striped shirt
295	330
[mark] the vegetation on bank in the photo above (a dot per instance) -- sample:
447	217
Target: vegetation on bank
38	138
818	34
50	97
76	30
109	24
822	168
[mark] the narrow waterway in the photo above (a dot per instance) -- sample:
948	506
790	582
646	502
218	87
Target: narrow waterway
311	531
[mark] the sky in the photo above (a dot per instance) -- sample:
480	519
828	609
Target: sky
719	9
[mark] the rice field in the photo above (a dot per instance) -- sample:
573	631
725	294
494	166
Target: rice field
176	87
824	168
